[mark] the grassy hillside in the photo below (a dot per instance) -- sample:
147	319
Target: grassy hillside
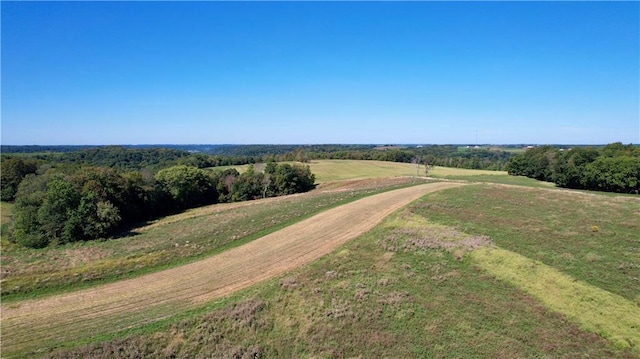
479	271
476	271
167	242
6	211
338	170
31	272
6	214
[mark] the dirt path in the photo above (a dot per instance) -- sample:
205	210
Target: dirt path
47	322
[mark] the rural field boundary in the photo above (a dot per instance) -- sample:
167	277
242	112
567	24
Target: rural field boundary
42	324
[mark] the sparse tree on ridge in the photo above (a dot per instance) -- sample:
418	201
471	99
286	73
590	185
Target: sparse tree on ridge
427	168
416	162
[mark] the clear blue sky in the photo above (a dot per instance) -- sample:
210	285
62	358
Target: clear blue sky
320	72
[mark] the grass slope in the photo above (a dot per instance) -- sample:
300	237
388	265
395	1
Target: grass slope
590	236
425	283
596	310
6	211
111	308
169	241
337	170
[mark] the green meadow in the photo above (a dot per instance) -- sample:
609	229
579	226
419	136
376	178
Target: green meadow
500	268
478	271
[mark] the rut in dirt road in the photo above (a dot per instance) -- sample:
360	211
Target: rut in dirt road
46	323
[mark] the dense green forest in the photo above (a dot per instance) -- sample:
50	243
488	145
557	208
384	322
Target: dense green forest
61	204
612	168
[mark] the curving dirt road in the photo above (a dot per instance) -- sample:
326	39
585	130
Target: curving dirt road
46	323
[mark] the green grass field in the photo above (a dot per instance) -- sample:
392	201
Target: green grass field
338	170
484	270
6	215
478	271
28	272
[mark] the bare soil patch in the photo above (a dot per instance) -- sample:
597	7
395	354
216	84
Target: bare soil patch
48	322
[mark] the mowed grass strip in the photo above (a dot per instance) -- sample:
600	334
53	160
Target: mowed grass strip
169	241
591	237
337	170
399	291
599	311
439	171
484	176
608	315
48	322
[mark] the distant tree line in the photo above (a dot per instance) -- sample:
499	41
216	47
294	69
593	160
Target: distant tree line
38	149
612	168
432	155
202	156
460	157
55	205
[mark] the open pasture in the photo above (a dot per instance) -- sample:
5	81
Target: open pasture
340	170
430	282
482	270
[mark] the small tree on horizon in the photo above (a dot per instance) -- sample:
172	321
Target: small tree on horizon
427	168
416	162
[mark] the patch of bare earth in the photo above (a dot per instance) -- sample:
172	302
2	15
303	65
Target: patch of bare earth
45	323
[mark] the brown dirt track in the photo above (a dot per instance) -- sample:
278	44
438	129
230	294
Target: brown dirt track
46	323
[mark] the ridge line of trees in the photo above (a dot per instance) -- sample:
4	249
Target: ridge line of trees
156	158
612	168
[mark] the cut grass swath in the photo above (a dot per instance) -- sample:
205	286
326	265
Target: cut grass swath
606	314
